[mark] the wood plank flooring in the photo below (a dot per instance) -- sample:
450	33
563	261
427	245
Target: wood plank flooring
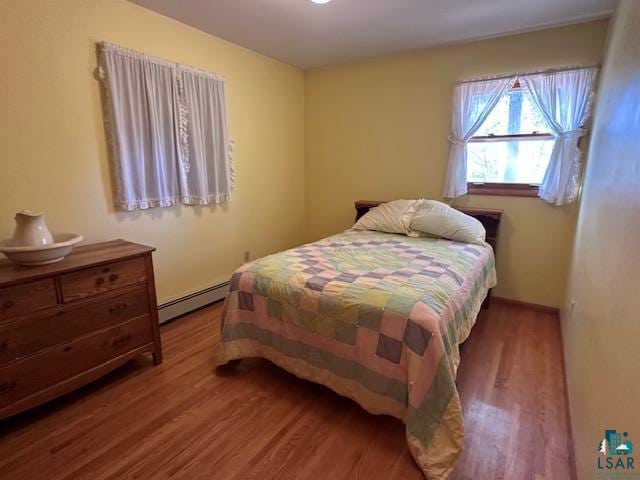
185	420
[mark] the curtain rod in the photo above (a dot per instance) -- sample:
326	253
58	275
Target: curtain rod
534	72
106	46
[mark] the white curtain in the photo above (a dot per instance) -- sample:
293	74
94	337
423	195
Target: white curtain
168	130
206	170
141	116
565	100
472	104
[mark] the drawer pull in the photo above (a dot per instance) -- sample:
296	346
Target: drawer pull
118	307
99	281
113	277
105	270
6	387
122	341
8	304
3	346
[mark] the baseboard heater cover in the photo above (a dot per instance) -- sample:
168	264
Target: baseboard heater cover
193	301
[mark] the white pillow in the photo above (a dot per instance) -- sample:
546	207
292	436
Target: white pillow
390	217
441	220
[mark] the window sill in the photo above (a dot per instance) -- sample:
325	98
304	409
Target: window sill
504	189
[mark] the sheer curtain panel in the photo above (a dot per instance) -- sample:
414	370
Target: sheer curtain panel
206	171
565	99
141	112
472	103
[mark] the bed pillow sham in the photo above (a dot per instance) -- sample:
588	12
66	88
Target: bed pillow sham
440	220
390	217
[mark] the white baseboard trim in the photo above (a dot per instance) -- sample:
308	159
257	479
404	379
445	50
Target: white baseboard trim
193	301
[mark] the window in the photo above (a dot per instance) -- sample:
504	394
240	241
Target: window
510	151
518	134
168	131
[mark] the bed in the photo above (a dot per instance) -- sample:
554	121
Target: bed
376	317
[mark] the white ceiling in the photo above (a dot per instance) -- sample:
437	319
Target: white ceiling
307	35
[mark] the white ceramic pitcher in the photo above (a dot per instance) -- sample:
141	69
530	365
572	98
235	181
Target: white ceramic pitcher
31	230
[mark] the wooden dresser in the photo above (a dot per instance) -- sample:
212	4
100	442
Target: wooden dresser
65	324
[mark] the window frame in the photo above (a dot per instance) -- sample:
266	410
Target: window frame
507	189
504	189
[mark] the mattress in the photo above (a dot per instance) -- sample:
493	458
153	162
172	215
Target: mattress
376	317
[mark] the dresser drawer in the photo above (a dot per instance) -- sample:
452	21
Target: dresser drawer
26	377
25	336
101	279
25	298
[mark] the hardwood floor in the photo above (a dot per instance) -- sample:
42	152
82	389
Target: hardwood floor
184	420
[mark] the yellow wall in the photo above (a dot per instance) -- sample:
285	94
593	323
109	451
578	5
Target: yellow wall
601	334
374	129
377	129
54	157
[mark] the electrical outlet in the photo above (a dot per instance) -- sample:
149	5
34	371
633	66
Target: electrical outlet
247	256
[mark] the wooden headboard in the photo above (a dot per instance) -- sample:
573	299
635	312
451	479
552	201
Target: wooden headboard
489	217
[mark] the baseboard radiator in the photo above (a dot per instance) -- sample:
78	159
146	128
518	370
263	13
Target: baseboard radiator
170	310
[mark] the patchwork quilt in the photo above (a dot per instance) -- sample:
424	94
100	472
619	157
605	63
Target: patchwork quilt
376	317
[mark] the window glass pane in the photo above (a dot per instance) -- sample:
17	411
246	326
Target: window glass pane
513	161
515	113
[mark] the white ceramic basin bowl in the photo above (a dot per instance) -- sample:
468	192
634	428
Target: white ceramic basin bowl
41	254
